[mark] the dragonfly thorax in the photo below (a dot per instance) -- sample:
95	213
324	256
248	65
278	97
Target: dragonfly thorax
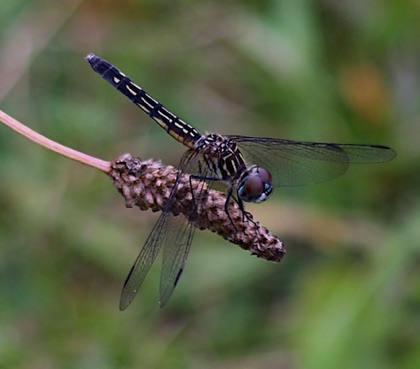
222	155
255	185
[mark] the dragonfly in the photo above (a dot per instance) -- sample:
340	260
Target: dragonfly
251	167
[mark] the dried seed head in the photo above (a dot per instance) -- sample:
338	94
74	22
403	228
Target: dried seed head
148	185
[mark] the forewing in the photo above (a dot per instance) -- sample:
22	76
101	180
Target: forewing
175	233
180	229
144	260
294	163
176	247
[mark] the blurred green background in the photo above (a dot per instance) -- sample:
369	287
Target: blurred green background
348	293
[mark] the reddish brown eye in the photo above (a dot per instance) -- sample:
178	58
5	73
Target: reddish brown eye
254	186
265	175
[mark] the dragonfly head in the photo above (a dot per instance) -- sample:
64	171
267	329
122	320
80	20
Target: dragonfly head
255	185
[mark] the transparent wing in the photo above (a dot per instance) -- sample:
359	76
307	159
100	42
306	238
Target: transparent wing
151	248
174	233
294	163
176	248
180	230
144	261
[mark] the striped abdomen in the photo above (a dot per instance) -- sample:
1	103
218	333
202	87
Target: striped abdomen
176	127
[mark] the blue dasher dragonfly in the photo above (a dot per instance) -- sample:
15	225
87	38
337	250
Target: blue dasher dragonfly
251	167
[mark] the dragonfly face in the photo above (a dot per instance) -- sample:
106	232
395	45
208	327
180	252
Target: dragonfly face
253	166
256	185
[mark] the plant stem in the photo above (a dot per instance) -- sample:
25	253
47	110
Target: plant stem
39	139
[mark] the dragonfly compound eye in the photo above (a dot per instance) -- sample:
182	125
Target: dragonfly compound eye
265	175
256	187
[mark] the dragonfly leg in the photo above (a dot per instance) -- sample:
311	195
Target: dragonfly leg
245	214
200	190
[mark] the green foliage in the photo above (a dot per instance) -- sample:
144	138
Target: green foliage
347	294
